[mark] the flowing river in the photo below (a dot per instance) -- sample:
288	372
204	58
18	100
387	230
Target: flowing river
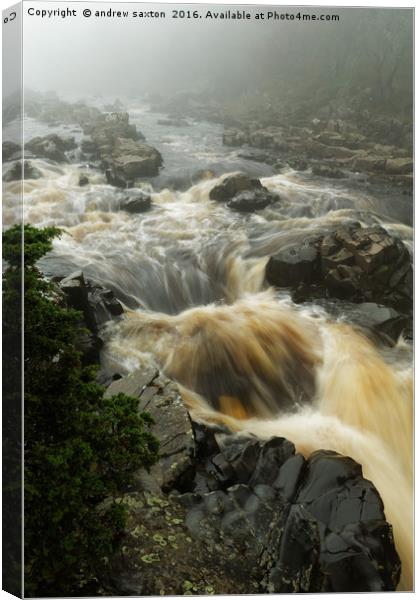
190	274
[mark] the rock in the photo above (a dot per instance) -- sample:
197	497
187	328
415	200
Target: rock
258	518
369	163
326	171
399	166
172	426
15	172
294	265
386	323
235	137
252	200
141	202
298	164
51	146
360	264
83	180
232	185
269	137
97	305
130	160
9	149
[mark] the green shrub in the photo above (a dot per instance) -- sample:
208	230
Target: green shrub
80	448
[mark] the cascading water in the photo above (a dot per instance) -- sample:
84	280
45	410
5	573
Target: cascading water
190	274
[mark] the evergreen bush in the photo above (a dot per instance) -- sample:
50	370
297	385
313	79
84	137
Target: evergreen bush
80	448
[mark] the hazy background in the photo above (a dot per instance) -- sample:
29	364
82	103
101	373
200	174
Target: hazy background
369	51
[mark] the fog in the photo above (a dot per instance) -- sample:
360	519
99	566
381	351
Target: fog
365	49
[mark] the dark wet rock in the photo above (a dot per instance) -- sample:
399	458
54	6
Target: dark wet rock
386	323
88	146
327	171
294	265
97	306
232	185
352	263
257	518
10	149
51	146
83	180
252	200
172	426
140	202
15	172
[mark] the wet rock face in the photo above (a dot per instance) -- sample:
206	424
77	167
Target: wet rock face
242	193
51	146
352	263
9	149
97	305
228	513
15	172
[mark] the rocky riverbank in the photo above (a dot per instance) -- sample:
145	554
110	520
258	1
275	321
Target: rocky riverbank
225	513
333	143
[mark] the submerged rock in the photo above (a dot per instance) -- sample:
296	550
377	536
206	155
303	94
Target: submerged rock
252	516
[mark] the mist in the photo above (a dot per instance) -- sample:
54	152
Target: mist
365	49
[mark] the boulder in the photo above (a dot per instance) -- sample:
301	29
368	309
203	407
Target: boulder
9	149
140	202
51	146
130	160
269	137
360	264
15	172
232	185
399	166
294	265
83	180
235	137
